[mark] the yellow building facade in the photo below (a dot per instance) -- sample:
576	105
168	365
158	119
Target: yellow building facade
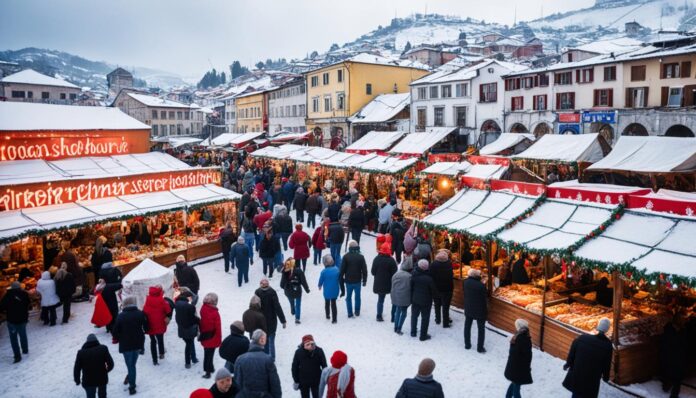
251	112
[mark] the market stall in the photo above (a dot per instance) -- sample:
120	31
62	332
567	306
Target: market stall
508	144
375	142
435	139
441	181
287	137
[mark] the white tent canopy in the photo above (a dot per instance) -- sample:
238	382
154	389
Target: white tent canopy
486	171
650	155
419	143
451	169
176	142
148	273
565	148
280	152
375	141
226	139
506	141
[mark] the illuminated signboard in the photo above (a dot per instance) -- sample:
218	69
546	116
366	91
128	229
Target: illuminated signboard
58	192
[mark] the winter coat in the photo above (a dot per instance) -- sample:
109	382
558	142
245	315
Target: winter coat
356	220
253	319
248	226
187	276
283	223
673	353
239	254
109	296
15	303
234	345
328	282
410	242
130	329
519	363
423	250
300	201
312	205
186	319
589	360
269	246
226	239
47	289
300	242
383	268
65	288
334	211
336	233
157	310
397	231
330	382
73	267
385	213
318	238
307	366
293	281
353	267
519	273
256	375
423	288
401	288
93	363
231	393
270	306
443	275
211	329
109	273
475	298
420	387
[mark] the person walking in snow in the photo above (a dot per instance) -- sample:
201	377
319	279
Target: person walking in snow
352	274
589	361
253	318
299	204
92	366
338	380
249	234
401	293
46	287
65	288
282	225
269	247
234	345
329	282
240	255
15	303
307	364
383	268
318	241
187	324
422	292
519	363
186	275
397	230
335	238
292	282
157	311
129	330
224	386
475	308
423	385
443	275
255	372
357	221
272	311
108	294
211	332
226	240
300	242
313	208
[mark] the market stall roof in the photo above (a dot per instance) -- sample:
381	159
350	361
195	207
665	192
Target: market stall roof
340	159
282	152
27	116
565	148
486	171
650	155
16	223
451	169
600	193
176	142
419	143
375	141
665	201
382	108
287	136
386	164
506	141
226	139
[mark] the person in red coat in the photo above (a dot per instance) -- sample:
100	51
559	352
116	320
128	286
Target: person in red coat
300	242
318	242
157	311
211	332
338	379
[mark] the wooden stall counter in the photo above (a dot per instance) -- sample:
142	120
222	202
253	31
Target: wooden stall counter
502	315
637	363
169	259
205	250
557	338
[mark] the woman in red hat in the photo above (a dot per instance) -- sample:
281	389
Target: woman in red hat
338	379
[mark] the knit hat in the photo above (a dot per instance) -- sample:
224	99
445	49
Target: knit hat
603	325
423	264
306	338
222	373
298	226
521	323
15	285
92	337
426	367
237	326
352	243
201	393
385	249
339	359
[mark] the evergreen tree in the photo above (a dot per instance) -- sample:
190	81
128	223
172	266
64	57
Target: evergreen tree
407	46
259	65
334	47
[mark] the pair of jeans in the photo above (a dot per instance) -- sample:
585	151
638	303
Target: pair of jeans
400	317
303	262
66	309
513	391
131	358
190	352
296	306
335	249
268	265
208	354
355	234
249	239
330	308
284	237
481	326
92	391
299	215
242	274
48	315
18	336
442	305
156	341
311	220
317	256
269	348
424	312
353	288
380	305
306	390
226	259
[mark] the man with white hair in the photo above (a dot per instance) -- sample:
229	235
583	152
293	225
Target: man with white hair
475	308
423	290
129	330
254	372
589	360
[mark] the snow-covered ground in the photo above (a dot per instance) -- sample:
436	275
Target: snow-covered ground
381	358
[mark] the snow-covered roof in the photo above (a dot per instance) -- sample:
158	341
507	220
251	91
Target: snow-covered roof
467	72
281	152
565	148
419	143
27	116
288	136
618	45
226	139
382	108
176	142
451	169
650	155
365	58
505	141
375	141
151	100
486	171
30	76
386	164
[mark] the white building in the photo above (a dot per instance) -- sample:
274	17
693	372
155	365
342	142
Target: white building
166	117
32	86
287	107
230	114
468	98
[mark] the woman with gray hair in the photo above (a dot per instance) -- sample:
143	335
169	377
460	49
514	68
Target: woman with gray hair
211	332
328	280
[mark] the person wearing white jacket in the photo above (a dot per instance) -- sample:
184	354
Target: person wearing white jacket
49	298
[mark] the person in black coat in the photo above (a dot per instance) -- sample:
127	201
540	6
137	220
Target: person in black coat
397	229
352	272
93	363
475	308
519	364
292	282
443	275
187	324
673	355
129	330
356	222
307	364
589	360
519	272
226	239
282	225
335	239
234	345
423	385
423	291
383	268
224	386
15	303
109	296
186	276
269	246
109	273
272	311
299	204
65	288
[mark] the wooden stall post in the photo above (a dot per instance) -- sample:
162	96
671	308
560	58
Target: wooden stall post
489	266
545	263
618	297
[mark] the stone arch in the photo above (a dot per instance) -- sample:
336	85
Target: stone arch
635	129
518	128
679	130
542	128
490	126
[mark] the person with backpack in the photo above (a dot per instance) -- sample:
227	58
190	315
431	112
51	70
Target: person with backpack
292	282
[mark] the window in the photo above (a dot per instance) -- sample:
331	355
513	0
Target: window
188	114
638	73
155	130
302	110
282	113
565	101
563	78
62	96
517	103
368	89
462	90
73	96
179	115
172	129
570	57
540	103
609	73
341	101
315	104
325	78
179	129
446	91
294	111
460	116
163	129
636	97
584	75
287	111
543	80
512	84
675	97
171	115
163	115
488	92
154	114
327	103
422	119
434	93
315	81
30	94
45	95
670	71
439	116
422	93
528	82
340	75
302	89
604	97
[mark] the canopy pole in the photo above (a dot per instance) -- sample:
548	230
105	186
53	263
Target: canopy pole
546	262
618	296
489	266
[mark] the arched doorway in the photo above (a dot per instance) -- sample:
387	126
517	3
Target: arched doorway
635	129
518	128
541	129
490	131
679	130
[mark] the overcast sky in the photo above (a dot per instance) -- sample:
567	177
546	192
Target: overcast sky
187	36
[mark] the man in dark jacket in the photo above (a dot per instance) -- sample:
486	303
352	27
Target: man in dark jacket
253	318
269	247
186	276
129	330
288	188
443	275
187	325
282	225
234	345
519	272
423	291
272	311
65	288
16	305
357	222
335	238
255	372
240	255
307	365
423	385
94	363
475	308
313	207
224	386
299	204
383	268
352	273
109	296
397	229
589	360
226	240
109	273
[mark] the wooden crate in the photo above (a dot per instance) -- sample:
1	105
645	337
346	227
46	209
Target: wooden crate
502	315
204	250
